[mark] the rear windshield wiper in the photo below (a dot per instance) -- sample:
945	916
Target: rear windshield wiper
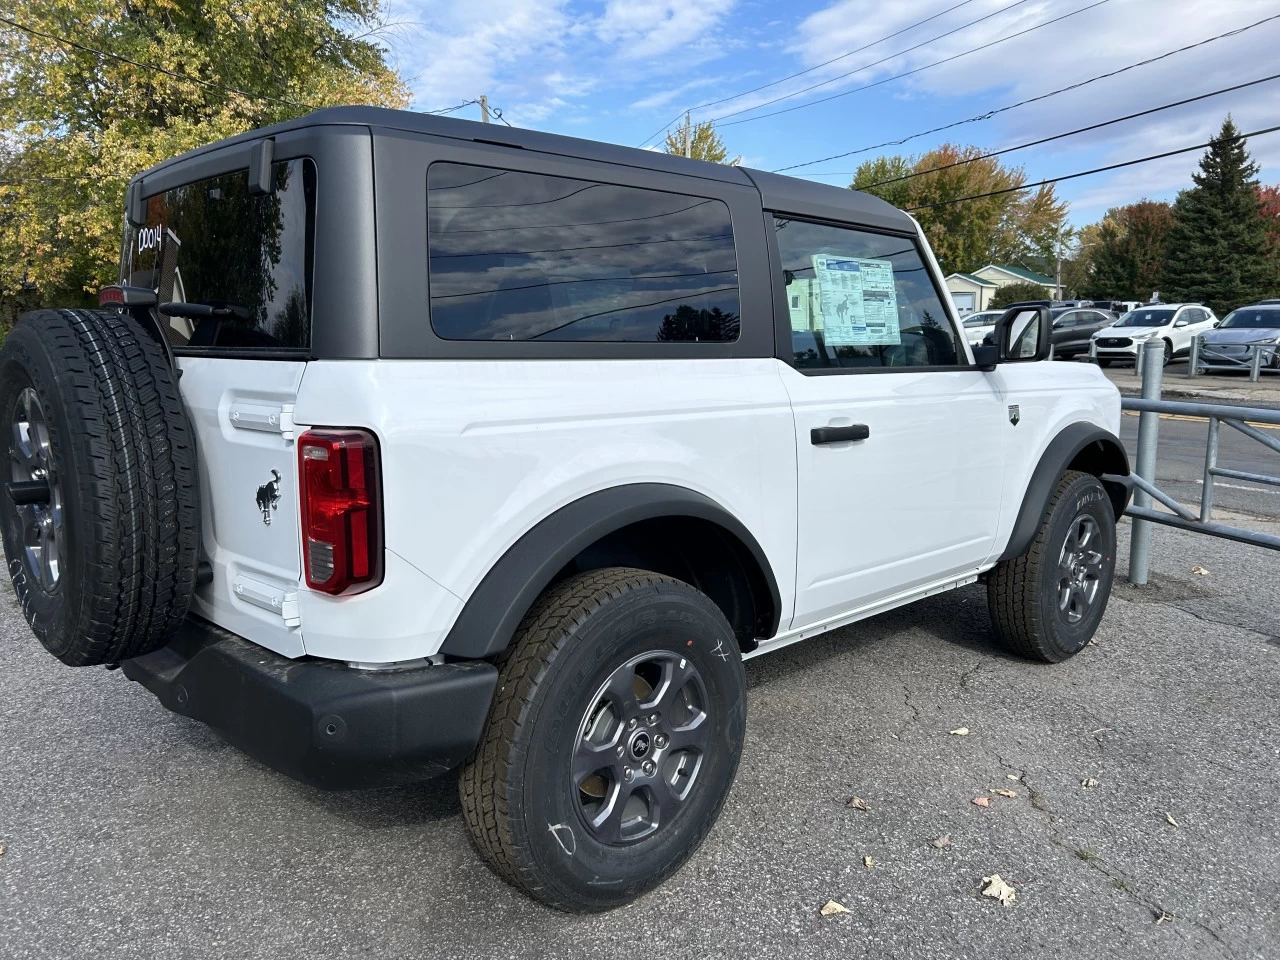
201	311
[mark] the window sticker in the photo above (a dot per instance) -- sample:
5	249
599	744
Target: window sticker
858	300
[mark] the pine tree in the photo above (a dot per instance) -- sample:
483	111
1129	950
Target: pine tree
1217	251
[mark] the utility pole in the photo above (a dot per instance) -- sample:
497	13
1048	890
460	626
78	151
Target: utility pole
484	109
688	135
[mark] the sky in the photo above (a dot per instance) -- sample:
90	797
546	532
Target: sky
621	70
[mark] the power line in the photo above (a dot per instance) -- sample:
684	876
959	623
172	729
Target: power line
1071	133
454	109
149	66
1022	103
1086	173
868	66
801	73
908	73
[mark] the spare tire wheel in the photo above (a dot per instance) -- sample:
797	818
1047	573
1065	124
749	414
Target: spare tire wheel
99	507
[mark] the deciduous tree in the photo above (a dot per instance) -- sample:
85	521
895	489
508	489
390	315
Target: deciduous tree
1021	227
705	143
1126	252
92	92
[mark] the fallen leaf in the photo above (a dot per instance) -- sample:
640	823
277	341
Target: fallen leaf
868	862
1012	776
942	842
1165	917
1172	822
982	801
1200	571
857	803
833	907
1007	793
960	732
1088	782
997	889
1	849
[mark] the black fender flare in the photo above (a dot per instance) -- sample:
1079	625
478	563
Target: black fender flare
1101	452
495	608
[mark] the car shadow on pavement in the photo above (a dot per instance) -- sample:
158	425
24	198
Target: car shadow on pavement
412	805
958	618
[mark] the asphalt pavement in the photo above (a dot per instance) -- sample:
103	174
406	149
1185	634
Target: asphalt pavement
131	832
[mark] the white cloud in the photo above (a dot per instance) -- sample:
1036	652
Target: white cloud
641	29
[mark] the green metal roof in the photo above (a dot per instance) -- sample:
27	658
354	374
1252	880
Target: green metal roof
1022	272
972	279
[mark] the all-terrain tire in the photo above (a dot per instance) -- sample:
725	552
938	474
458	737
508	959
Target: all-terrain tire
519	799
1025	595
113	440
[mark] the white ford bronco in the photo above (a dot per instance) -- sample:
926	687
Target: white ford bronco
407	444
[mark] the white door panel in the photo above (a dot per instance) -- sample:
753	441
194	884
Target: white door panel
242	413
918	500
475	453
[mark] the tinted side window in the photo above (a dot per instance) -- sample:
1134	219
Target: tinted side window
250	257
523	256
860	299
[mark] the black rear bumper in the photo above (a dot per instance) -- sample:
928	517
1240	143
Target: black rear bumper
320	721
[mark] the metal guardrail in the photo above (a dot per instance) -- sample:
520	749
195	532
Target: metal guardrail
1142	479
1260	359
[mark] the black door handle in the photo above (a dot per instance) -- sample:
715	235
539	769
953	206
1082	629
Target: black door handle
857	431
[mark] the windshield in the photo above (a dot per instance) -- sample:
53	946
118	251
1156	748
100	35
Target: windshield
1146	318
1266	318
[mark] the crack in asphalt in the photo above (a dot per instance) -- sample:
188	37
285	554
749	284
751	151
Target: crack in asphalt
1121	881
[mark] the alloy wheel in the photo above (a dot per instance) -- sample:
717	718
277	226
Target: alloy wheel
31	460
640	747
1080	569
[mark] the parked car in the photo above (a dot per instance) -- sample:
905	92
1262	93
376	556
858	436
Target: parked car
979	325
1072	330
408	444
1174	323
1242	333
1118	307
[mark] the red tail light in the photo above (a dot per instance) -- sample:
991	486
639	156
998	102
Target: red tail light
341	499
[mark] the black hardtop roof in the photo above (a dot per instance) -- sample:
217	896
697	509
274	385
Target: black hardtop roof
789	194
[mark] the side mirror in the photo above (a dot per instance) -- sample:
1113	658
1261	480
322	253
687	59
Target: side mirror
1024	334
1217	323
1182	323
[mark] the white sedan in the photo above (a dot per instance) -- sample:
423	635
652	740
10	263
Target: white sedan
1174	323
978	325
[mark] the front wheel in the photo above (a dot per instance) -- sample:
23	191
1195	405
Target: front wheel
1047	603
1104	362
613	739
1168	352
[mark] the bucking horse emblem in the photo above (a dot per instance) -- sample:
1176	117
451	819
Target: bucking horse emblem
269	496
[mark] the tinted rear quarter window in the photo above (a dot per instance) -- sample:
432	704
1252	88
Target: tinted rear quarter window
527	257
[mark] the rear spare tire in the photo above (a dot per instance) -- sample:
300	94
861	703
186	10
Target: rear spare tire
99	509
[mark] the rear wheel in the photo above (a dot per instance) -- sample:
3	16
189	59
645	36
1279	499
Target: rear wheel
98	510
1047	603
612	742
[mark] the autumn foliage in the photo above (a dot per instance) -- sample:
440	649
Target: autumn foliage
93	92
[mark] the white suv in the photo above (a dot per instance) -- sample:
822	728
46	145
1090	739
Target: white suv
1174	323
409	444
